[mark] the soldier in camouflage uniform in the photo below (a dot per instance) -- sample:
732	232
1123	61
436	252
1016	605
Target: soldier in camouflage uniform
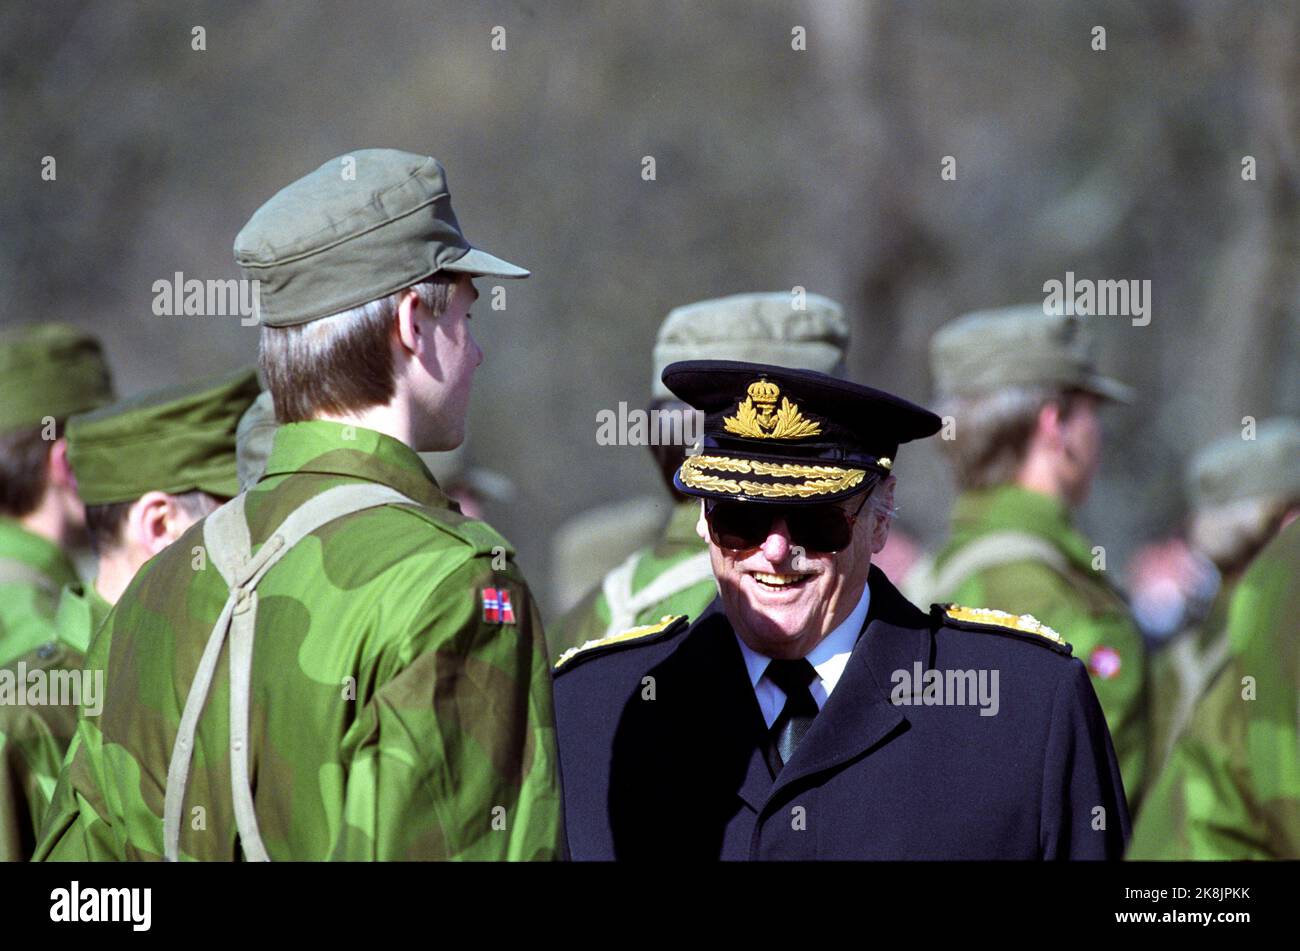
1022	390
397	705
1242	490
253	438
147	468
47	373
1231	788
672	575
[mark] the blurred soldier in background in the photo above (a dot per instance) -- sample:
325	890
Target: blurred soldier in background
471	487
399	706
587	546
1171	587
1022	393
1231	787
147	469
1242	491
253	439
672	575
47	373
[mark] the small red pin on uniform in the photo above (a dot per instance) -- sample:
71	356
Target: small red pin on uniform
1104	662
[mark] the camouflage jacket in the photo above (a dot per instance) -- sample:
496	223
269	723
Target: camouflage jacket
1231	788
32	572
1181	672
393	716
1065	593
680	548
34	736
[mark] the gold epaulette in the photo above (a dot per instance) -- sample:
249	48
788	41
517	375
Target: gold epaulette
1025	623
632	634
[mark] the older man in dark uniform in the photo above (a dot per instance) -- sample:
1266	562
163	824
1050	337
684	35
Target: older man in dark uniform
811	711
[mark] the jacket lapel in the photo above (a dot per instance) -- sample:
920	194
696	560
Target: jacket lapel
732	719
859	714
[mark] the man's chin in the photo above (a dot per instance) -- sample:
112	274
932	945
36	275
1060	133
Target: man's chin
772	631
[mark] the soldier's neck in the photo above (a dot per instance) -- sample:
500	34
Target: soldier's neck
49	519
1039	475
393	419
113	577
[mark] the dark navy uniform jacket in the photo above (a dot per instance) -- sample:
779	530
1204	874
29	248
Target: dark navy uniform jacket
661	745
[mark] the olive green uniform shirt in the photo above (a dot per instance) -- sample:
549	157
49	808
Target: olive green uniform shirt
33	571
677	545
391	715
1068	596
1231	788
1181	673
35	737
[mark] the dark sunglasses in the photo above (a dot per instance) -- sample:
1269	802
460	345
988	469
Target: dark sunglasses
739	526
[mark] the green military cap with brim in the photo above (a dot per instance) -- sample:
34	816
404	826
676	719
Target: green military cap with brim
1235	467
181	439
253	438
50	371
990	350
808	333
362	226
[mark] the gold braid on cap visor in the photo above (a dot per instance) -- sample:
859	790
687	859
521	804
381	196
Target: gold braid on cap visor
817	480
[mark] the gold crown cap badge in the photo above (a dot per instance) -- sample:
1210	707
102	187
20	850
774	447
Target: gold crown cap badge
759	417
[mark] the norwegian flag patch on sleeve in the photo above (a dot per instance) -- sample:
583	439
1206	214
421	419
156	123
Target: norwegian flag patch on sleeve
497	608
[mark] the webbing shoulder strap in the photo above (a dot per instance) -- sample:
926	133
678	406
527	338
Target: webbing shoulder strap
13	571
226	540
990	551
624	606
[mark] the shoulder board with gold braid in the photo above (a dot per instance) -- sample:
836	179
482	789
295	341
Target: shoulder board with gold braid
668	625
988	620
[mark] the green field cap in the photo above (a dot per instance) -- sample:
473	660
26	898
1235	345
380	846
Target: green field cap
49	370
181	439
253	438
1235	468
360	227
989	350
769	328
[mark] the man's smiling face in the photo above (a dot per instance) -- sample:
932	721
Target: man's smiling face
781	599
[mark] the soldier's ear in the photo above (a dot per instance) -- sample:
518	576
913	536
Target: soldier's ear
882	503
151	524
702	525
1048	429
410	335
58	470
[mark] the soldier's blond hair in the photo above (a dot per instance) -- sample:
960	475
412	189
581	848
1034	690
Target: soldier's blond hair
991	432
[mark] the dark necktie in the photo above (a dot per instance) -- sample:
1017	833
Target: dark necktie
793	677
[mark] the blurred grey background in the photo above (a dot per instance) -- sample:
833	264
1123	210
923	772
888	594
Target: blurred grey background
775	168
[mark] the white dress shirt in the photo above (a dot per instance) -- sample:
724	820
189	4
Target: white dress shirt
828	659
